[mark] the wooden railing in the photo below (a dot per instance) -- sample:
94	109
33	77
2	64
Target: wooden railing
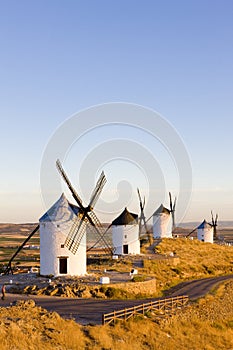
158	307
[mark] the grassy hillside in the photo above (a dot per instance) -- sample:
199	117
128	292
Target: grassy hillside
192	259
206	324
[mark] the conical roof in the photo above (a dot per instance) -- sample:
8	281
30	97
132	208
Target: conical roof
204	224
62	210
161	210
125	218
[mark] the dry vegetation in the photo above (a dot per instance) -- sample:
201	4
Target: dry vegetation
192	259
206	324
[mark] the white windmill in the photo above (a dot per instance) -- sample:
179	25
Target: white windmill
63	233
125	234
161	218
205	232
55	258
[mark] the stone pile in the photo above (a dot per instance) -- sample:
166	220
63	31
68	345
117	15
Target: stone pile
61	290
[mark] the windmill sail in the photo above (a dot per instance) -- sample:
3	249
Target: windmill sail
99	242
75	235
78	229
65	177
97	227
98	189
214	224
142	219
172	210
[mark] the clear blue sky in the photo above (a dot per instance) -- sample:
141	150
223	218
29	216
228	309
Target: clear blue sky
58	57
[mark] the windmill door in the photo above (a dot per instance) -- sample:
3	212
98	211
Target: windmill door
63	265
125	249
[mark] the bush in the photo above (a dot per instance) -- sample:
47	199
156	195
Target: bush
138	278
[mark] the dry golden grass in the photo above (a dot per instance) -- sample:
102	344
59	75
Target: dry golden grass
207	324
204	325
29	327
196	260
192	259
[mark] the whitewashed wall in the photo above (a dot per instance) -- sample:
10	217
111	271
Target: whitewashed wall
206	234
51	240
126	234
160	226
53	232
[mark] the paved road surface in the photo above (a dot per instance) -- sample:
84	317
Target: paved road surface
86	311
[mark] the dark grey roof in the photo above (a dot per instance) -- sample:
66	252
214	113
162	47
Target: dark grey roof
125	218
161	210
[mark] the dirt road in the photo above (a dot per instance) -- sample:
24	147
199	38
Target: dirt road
86	311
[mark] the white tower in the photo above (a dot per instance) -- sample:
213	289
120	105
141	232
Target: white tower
205	232
125	234
55	258
161	218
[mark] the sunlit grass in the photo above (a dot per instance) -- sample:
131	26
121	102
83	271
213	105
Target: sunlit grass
193	259
206	325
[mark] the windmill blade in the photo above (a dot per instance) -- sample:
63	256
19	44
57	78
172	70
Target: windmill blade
149	235
144	202
212	216
140	199
216	219
95	223
215	227
144	221
142	216
97	190
79	228
174	205
170	199
141	208
140	225
97	242
172	210
214	223
94	220
173	220
76	234
65	177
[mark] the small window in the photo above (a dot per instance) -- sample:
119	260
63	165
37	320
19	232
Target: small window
58	225
125	236
62	245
